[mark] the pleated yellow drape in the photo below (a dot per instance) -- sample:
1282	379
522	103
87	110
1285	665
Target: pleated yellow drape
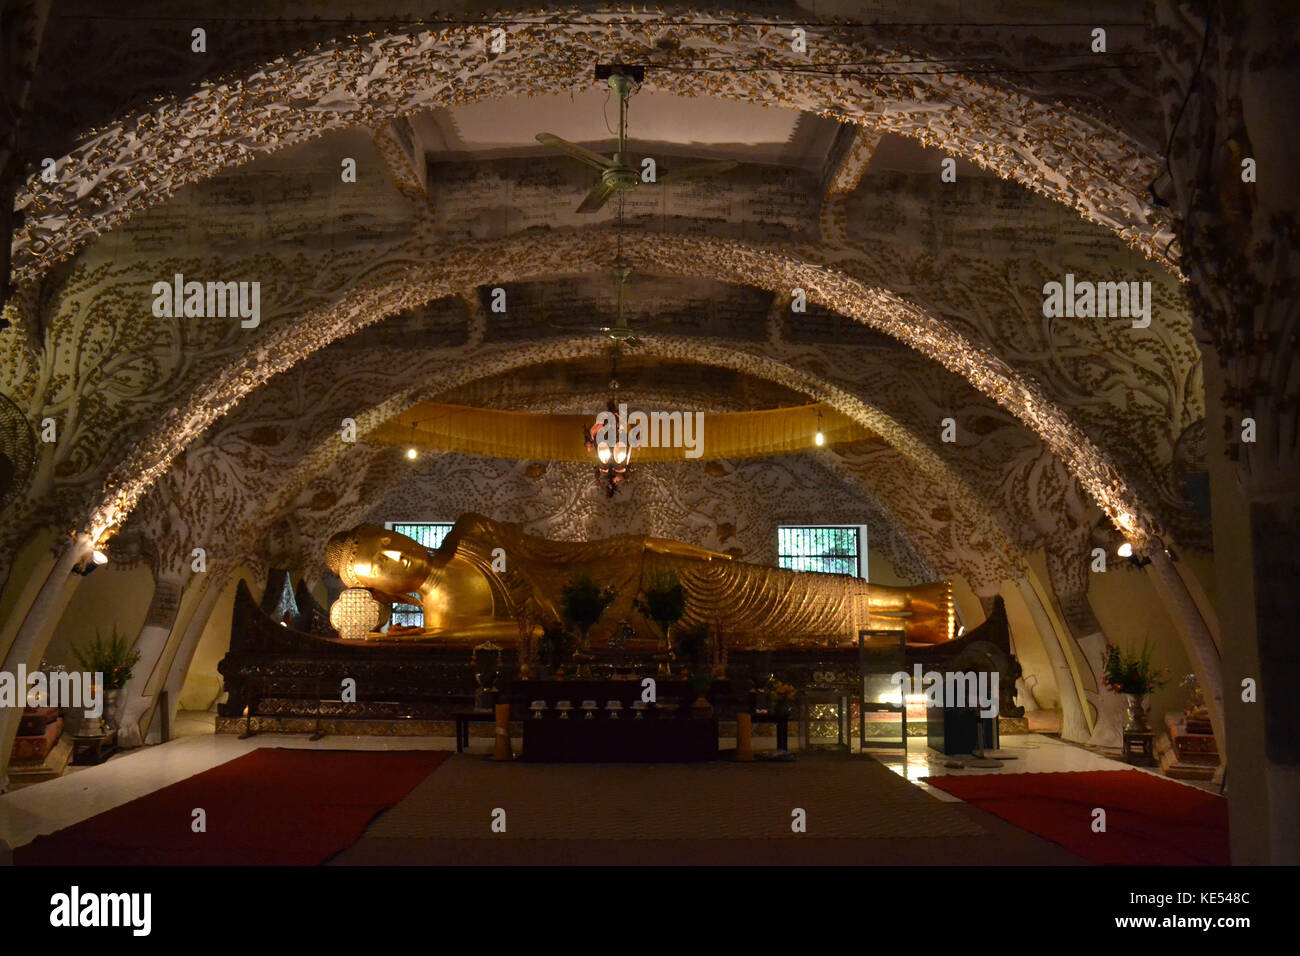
529	437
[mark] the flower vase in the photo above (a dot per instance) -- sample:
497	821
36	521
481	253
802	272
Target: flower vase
106	722
582	657
1137	714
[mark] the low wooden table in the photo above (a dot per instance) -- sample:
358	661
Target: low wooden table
652	739
782	722
90	751
463	719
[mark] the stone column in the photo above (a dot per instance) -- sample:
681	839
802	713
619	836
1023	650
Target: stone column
1232	91
33	635
137	695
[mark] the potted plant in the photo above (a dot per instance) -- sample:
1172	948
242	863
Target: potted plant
555	648
691	648
582	602
701	681
691	645
114	659
663	601
1133	675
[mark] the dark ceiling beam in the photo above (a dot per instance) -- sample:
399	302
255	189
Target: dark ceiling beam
478	317
22	27
846	163
400	149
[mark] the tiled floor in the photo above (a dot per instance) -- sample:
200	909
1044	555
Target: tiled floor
83	792
1027	753
31	811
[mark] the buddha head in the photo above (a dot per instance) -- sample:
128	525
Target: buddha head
372	557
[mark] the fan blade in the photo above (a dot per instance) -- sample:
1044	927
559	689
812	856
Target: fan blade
576	328
580	153
698	169
632	342
598	196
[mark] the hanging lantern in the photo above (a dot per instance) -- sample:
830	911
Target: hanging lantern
606	440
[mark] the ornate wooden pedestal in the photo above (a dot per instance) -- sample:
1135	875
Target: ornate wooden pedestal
1140	748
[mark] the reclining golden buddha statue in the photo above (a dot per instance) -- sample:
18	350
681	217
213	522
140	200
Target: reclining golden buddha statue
490	580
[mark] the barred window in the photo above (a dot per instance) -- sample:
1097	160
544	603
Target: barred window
830	549
429	534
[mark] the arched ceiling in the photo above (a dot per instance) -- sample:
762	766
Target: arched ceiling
924	296
994	113
404	283
1007	493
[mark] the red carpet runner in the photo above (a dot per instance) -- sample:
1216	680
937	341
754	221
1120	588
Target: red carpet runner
269	807
1150	821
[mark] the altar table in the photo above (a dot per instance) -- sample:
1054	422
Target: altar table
625	739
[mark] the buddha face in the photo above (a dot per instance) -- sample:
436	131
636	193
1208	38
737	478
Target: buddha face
390	562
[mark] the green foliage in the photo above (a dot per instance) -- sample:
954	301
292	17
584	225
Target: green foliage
114	658
555	647
583	601
665	600
1126	672
691	646
701	681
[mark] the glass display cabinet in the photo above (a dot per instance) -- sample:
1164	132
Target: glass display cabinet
882	654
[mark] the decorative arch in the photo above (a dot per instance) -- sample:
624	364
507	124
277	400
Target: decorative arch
1062	152
1001	558
567	253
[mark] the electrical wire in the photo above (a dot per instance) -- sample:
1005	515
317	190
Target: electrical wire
668	20
1191	88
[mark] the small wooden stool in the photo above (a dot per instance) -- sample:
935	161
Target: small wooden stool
1140	748
90	751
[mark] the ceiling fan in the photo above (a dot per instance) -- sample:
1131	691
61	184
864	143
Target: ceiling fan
620	331
616	175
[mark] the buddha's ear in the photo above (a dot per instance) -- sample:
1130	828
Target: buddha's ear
385	598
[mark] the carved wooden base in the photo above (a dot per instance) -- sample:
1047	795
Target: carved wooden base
295	681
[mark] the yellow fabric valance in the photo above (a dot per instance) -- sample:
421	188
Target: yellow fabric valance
667	437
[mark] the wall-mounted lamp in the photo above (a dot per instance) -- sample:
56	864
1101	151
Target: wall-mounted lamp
88	564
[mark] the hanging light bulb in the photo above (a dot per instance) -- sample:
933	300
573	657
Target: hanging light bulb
820	439
411	453
99	557
1125	550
